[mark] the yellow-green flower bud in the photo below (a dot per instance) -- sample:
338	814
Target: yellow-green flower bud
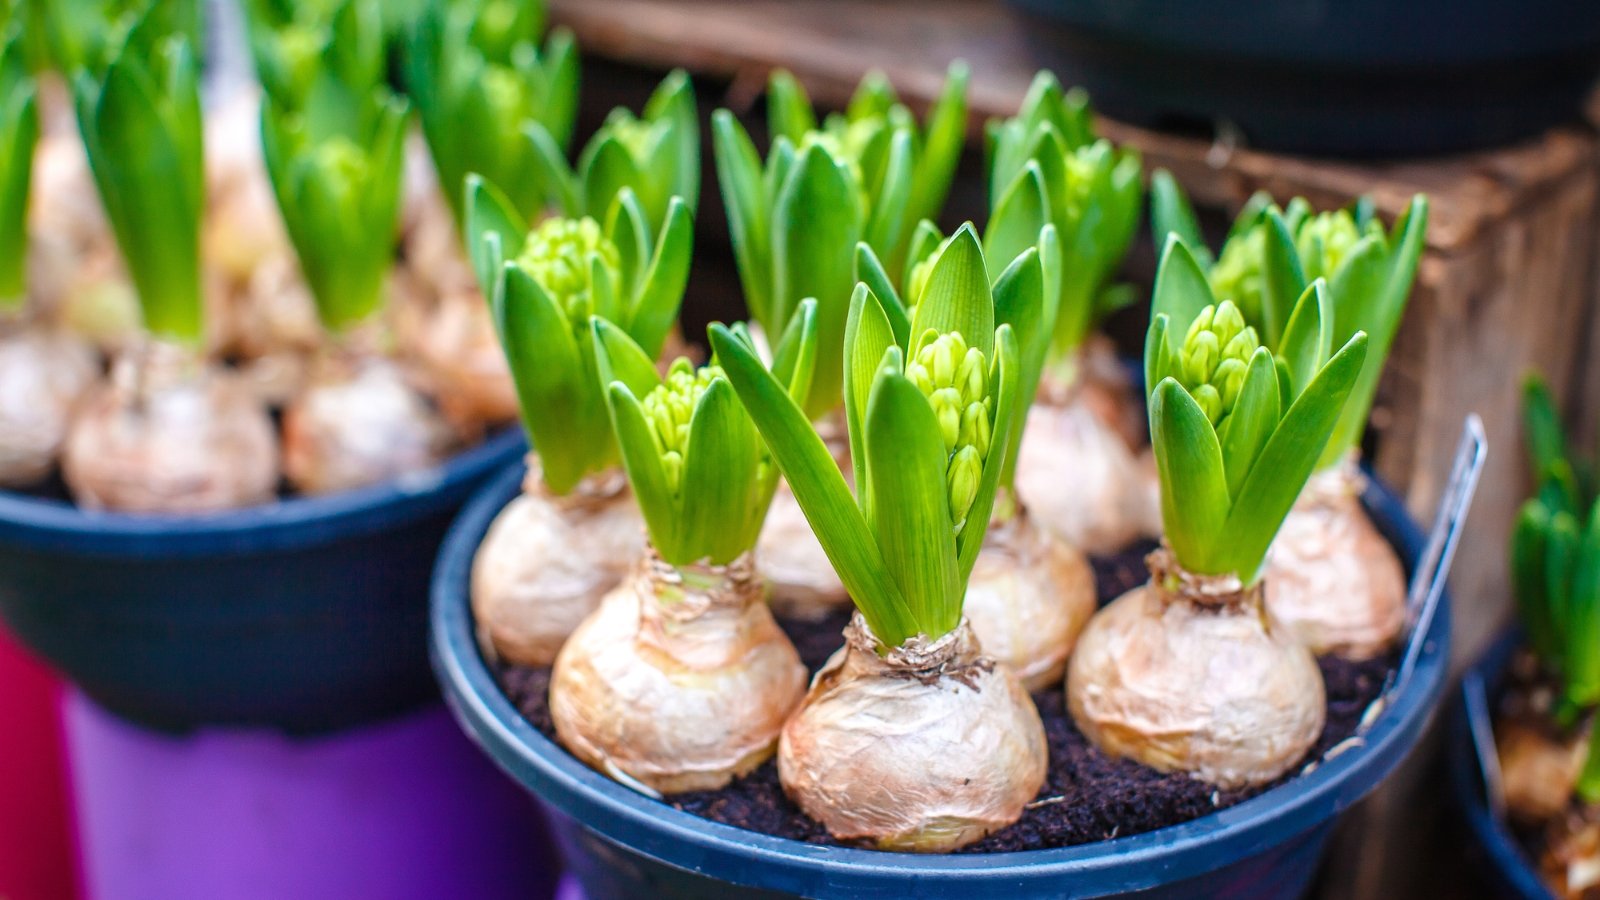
669	408
975	428
672	466
917	281
1241	346
556	255
1201	354
962	478
947	407
1237	274
1210	402
972	377
1324	241
1227	323
1215	357
1229	378
919	377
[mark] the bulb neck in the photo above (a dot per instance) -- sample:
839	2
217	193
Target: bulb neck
594	492
956	655
701	615
1175	584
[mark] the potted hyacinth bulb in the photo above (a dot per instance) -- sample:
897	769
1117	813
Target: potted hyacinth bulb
910	738
45	369
168	432
681	679
1334	580
1544	733
1187	673
335	165
1030	592
1081	422
480	80
869	175
575	531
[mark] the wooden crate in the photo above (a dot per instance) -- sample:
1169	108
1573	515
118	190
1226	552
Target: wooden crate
1505	285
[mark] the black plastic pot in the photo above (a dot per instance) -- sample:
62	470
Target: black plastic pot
1356	78
622	844
1499	856
303	615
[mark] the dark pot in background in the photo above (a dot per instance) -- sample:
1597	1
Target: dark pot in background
1495	850
1356	78
304	615
621	844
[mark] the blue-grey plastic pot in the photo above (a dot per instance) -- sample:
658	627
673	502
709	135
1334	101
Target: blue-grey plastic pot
1354	78
1495	850
621	844
303	615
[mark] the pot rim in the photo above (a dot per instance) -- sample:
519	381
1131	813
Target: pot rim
1466	777
725	852
52	525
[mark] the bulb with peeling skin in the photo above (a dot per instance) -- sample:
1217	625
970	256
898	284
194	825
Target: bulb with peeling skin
45	373
1186	673
1332	580
963	752
167	434
680	681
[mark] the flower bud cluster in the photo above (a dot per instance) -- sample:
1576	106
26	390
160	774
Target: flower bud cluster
669	408
1215	358
1238	276
1324	241
955	379
557	254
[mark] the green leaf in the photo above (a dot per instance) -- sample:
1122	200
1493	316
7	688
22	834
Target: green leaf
1561	558
1582	626
1020	302
1308	336
1530	583
606	168
494	231
794	358
888	213
619	359
739	177
788	108
561	184
629	229
1194	485
910	512
820	489
1181	290
1283	279
674	99
560	64
1250	425
1003	374
1280	472
945	136
869	271
867	335
1014	225
642	461
720	472
817	222
1170	213
661	294
1158	353
1545	438
956	297
19	133
1588	786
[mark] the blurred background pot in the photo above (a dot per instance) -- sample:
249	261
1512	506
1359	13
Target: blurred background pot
1357	78
619	843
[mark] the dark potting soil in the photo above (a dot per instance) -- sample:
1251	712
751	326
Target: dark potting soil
1087	796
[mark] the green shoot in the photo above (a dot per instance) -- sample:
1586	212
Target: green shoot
929	398
142	131
19	132
478	78
545	285
85	36
1236	430
867	174
697	465
656	154
1092	190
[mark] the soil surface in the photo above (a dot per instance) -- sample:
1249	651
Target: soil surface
1086	797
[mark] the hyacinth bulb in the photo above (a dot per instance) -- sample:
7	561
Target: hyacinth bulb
167	434
548	560
680	681
926	747
357	422
1332	580
45	373
1187	674
1539	767
1029	595
804	584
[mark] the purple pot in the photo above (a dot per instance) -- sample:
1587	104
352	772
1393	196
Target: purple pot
403	809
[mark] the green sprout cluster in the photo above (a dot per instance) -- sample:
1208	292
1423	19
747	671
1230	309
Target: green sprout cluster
864	176
546	285
1272	255
479	79
19	132
926	477
1092	192
87	36
1555	571
329	53
656	154
1237	429
142	131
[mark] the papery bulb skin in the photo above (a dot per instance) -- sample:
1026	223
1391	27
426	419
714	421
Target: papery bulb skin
925	749
45	373
548	560
803	582
1539	768
1186	674
1029	596
1082	481
680	681
452	338
166	434
359	421
1332	580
